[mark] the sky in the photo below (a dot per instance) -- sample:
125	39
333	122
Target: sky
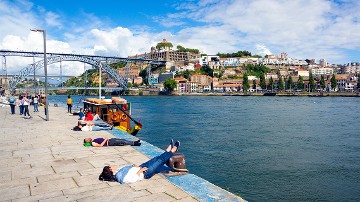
304	29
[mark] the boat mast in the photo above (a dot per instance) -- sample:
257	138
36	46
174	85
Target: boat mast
100	80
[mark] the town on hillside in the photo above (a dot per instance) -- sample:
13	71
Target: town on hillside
225	72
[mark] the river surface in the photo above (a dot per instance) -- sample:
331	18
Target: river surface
261	148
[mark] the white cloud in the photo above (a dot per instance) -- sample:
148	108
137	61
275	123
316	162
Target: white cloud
263	50
323	27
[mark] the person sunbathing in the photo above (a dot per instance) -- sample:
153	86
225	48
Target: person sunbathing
104	142
92	127
134	173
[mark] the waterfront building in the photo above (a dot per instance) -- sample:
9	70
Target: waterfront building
323	63
189	67
302	72
214	59
201	79
352	68
167	75
153	79
166	53
225	62
138	80
181	85
271	75
129	72
192	87
229	72
322	71
346	82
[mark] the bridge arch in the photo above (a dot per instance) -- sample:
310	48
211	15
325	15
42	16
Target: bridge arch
120	80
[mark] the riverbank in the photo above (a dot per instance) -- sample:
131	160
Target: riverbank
46	161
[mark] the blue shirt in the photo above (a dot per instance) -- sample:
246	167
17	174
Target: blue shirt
81	115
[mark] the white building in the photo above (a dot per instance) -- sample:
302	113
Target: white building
322	71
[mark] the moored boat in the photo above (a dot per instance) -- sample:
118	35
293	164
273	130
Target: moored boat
115	111
269	94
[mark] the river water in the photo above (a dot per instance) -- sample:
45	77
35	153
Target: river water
261	148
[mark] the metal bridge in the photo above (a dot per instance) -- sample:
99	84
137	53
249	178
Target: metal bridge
95	61
106	89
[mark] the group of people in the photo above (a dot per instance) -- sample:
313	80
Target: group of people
24	101
88	121
125	174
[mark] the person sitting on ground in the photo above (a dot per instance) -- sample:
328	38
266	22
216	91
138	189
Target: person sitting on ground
81	114
88	116
104	142
92	127
130	174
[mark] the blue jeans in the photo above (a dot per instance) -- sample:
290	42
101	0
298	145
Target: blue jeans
119	142
21	107
36	107
12	106
156	164
101	123
97	128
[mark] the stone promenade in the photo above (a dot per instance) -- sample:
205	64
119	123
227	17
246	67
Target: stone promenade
46	161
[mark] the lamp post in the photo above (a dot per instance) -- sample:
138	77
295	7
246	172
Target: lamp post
45	70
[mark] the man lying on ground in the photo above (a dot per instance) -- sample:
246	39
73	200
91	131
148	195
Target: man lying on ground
92	127
130	174
104	142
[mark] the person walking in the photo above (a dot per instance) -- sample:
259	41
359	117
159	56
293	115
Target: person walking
36	104
21	104
26	103
12	104
69	104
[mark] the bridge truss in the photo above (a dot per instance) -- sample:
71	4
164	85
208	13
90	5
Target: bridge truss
94	61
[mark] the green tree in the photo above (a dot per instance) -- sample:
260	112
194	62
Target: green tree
187	74
280	83
358	82
300	84
164	45
170	84
322	82
271	83
254	84
206	70
262	82
245	83
334	82
143	75
311	82
289	83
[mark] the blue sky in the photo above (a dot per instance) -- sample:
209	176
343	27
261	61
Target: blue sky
304	29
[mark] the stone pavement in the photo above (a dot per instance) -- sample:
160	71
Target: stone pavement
46	161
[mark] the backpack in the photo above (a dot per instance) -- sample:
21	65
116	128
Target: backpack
12	100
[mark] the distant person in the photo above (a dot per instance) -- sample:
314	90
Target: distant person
104	142
81	114
21	104
26	103
69	104
134	173
12	104
88	116
36	103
